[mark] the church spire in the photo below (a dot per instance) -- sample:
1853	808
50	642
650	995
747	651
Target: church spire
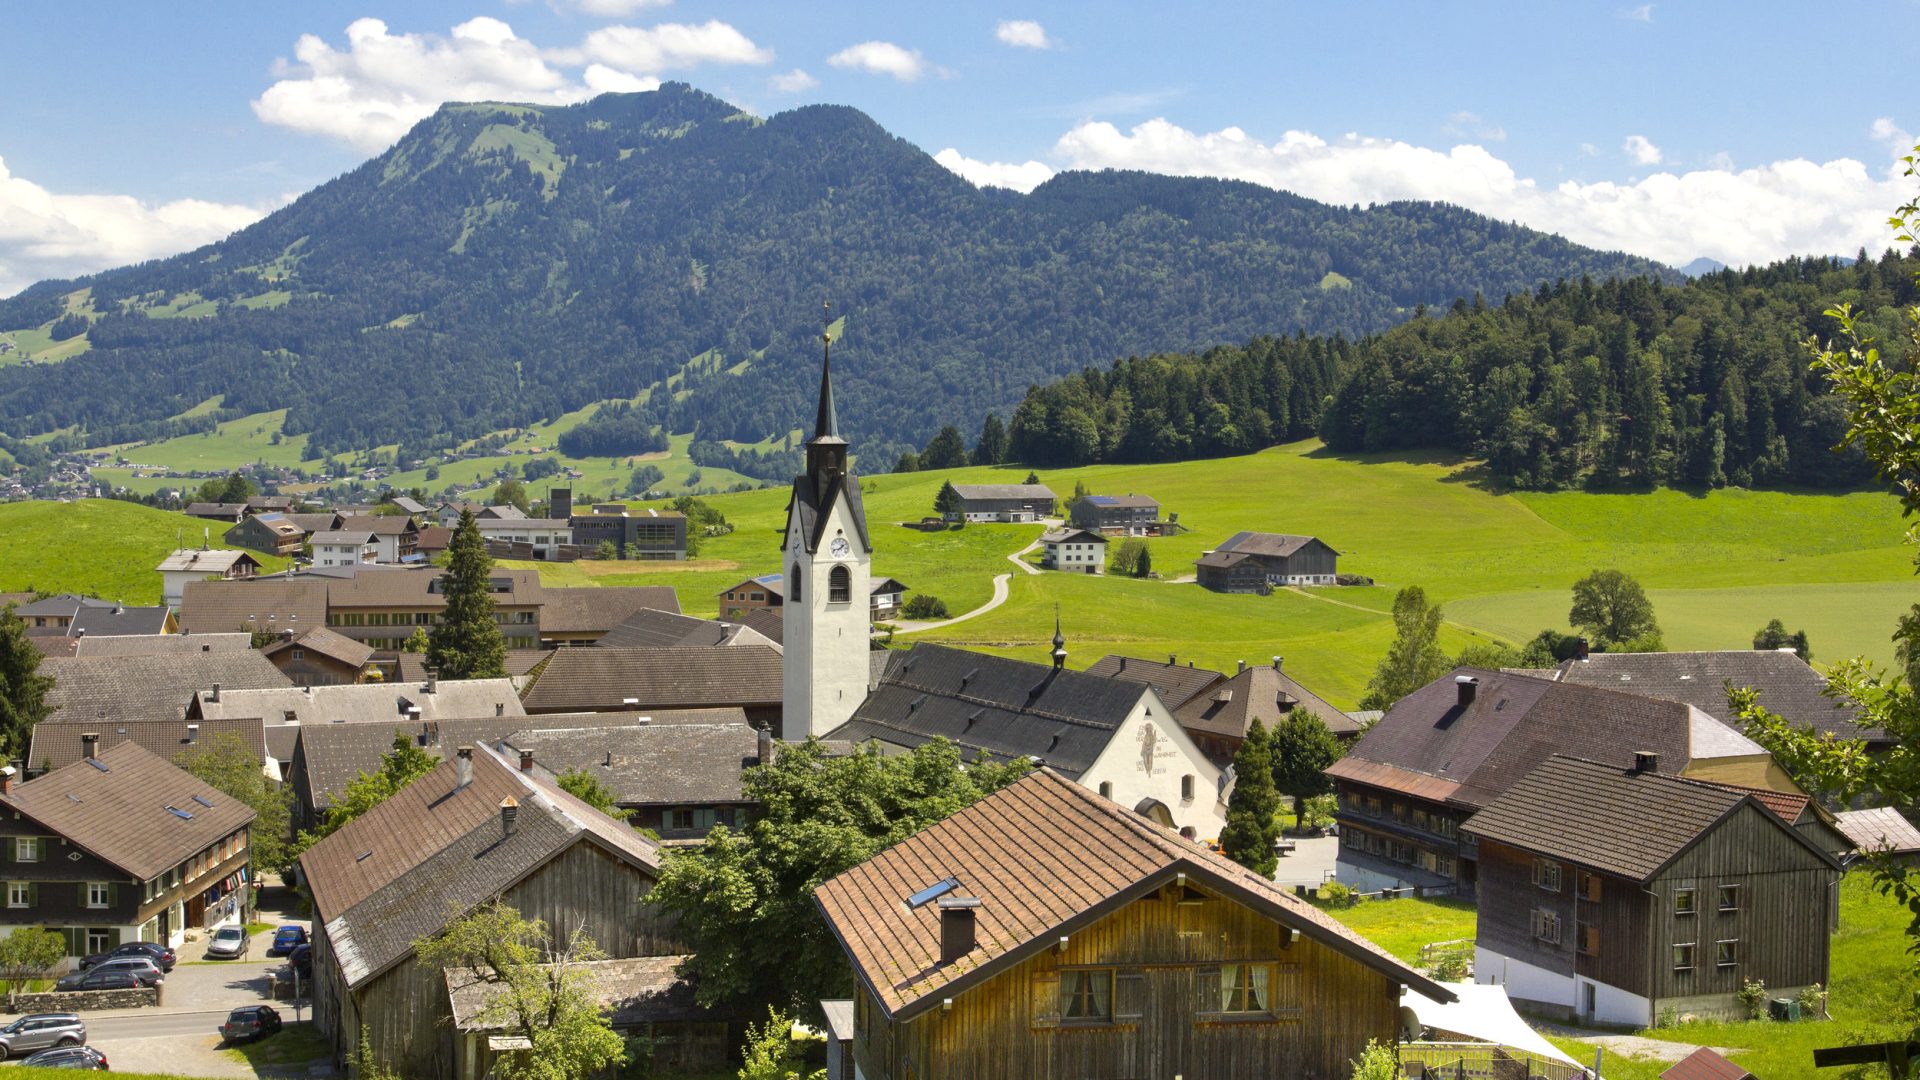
827	423
1059	641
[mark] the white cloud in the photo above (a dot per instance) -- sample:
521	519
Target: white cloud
792	82
882	58
1642	13
602	79
614	9
1021	177
1740	217
46	235
1640	150
1469	125
1022	34
666	47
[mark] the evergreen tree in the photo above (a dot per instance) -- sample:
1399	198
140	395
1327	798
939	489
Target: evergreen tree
947	450
1774	636
1032	478
992	447
466	643
1414	659
23	690
1303	749
1612	609
908	461
946	500
1143	566
1251	827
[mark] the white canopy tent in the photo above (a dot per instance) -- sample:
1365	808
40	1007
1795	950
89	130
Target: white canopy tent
1482	1014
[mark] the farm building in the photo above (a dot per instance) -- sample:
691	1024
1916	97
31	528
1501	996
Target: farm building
1248	560
1216	709
1002	502
1124	515
1073	551
1787	685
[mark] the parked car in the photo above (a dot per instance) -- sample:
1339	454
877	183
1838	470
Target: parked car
160	954
229	943
141	967
301	960
249	1022
99	980
68	1057
286	939
39	1031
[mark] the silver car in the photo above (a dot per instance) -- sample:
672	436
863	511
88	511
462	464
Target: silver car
39	1031
140	967
229	943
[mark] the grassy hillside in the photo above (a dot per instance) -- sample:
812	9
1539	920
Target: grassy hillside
1719	565
100	547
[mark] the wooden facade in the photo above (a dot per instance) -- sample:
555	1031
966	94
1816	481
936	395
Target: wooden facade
1165	955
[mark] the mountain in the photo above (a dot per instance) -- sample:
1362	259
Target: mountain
502	264
1702	265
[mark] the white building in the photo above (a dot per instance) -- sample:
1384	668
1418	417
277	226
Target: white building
1074	551
544	535
344	548
201	564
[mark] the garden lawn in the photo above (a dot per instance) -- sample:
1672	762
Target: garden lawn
1402	926
99	547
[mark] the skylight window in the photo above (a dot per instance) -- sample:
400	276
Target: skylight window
98	764
203	801
179	813
933	892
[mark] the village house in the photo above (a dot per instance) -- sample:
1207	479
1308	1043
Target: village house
344	547
269	534
380	606
317	656
527	538
1075	551
647	533
394	533
768	593
201	564
1116	738
121	846
1453	746
269	504
1116	515
647	628
122	620
678	780
1613	894
690	677
1246	561
56	612
230	513
109	689
315	521
1787	685
1003	502
1218	710
473	830
1045	932
55	746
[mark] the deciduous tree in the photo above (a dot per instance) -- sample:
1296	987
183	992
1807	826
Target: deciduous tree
1251	827
511	492
1303	749
1774	636
466	643
227	763
1414	659
29	953
23	690
588	789
1612	609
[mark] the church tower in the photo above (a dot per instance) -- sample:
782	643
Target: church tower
828	556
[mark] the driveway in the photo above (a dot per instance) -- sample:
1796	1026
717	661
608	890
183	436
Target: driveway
1311	863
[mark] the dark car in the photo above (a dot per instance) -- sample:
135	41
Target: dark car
249	1022
68	1057
286	939
162	956
40	1031
99	979
301	960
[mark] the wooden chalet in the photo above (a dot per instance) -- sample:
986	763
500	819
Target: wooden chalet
1787	685
1046	932
1249	561
678	779
1612	894
317	656
269	534
1217	710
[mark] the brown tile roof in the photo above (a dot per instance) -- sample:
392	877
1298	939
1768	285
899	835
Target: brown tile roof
380	585
56	746
1705	1064
246	606
120	813
321	640
1406	781
93	646
1789	805
1787	685
1045	857
1274	545
1878	829
433	538
651	764
1258	692
652	629
631	991
313	523
380	524
108	689
412	667
767	622
594	610
596	678
1613	819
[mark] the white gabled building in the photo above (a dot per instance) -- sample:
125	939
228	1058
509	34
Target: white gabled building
1075	551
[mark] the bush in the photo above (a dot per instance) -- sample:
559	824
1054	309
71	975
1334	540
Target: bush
1377	1062
1339	893
925	606
1451	968
1352	579
1812	1002
1752	996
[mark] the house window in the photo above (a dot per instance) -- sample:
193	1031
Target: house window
756	596
1587	886
1683	957
680	819
19	894
1546	926
1186	788
99	894
1243	988
1729	897
1546	874
1683	902
1106	789
1726	953
1087	995
299	654
28	848
839	586
793	585
1588	939
100	940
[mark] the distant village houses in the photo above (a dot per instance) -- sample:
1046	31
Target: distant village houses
1118	515
1074	551
1002	503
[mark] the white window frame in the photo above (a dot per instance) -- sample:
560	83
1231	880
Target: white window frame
99	895
19	894
29	849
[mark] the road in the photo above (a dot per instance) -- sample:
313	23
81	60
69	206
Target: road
1000	583
151	1023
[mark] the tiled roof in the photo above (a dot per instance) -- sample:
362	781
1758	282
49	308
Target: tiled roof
246	606
1006	708
766	622
1122	500
64	605
380	524
231	511
1258	692
1176	684
1222	558
437	848
1276	545
1045	857
321	640
366	703
342	538
98	645
1612	819
379	585
120	813
1787	685
630	991
1071	535
650	764
55	746
1881	828
590	610
662	629
412	667
1004	491
119	621
107	689
433	538
1705	1064
204	560
313	523
596	678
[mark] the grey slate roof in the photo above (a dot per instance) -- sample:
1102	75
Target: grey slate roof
662	629
590	610
365	703
1071	535
58	745
107	689
1176	684
1787	685
1258	692
811	507
97	645
314	523
767	622
204	560
602	679
119	621
1260	543
1006	708
1123	500
1613	819
1004	491
650	764
63	605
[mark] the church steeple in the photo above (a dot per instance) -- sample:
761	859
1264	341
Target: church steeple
826	451
1059	642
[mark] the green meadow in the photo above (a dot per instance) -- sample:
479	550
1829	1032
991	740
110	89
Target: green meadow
100	547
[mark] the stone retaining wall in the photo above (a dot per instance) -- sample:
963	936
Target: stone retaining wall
83	1000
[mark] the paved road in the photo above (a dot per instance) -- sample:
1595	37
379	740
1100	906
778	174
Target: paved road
999	597
151	1022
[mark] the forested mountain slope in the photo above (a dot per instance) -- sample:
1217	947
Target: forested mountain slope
503	263
1622	383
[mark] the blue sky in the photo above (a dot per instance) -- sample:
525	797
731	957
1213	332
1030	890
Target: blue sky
1743	132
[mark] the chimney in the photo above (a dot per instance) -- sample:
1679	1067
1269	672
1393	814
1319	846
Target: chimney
1172	660
1468	687
206	648
286	635
1646	761
1580	650
1241	668
91	742
463	767
499	708
193	732
509	809
433	680
763	744
956	926
6	780
1277	661
215	696
526	761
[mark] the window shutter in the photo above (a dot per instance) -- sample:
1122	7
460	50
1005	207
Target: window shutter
33	894
83	894
1129	994
1284	992
1206	990
1045	989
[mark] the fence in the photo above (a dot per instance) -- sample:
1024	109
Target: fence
1480	1061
